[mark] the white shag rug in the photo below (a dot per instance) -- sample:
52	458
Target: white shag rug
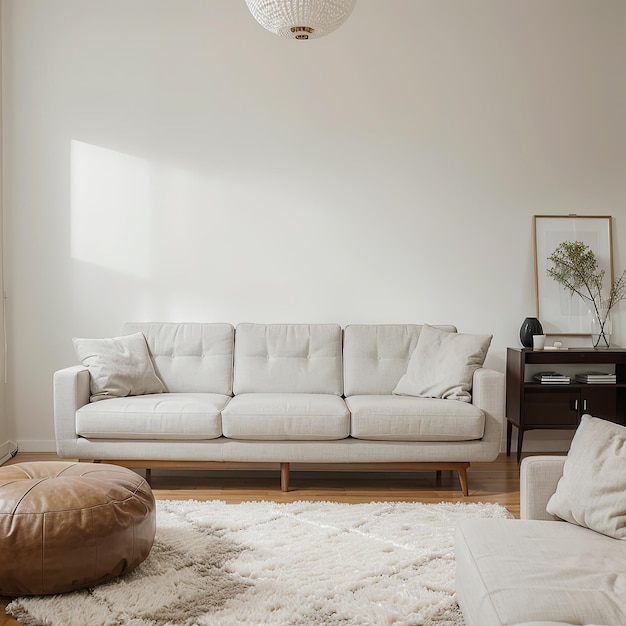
263	563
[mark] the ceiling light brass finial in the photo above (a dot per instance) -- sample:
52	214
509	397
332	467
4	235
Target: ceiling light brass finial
301	32
283	17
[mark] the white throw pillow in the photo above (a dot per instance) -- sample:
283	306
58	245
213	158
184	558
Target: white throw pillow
119	366
443	365
591	491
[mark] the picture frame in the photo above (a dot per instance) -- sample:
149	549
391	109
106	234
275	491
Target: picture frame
559	312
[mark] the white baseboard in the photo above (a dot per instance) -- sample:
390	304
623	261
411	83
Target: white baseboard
37	445
542	440
549	445
8	450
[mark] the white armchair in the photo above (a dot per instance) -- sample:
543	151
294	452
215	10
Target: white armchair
539	476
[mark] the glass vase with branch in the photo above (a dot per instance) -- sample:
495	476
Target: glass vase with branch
575	268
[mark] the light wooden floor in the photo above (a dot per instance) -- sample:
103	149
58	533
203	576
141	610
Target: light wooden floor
488	482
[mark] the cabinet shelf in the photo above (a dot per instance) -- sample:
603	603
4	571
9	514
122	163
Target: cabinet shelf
534	405
533	385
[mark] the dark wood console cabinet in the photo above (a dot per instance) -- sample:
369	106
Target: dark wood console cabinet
531	405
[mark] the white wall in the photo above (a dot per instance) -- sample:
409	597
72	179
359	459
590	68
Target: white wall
4	428
174	161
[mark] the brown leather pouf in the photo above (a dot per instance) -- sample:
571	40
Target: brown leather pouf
64	526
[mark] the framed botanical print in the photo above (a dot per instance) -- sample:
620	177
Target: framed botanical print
559	312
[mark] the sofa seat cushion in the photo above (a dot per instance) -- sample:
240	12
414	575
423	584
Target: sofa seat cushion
512	572
405	418
286	416
180	416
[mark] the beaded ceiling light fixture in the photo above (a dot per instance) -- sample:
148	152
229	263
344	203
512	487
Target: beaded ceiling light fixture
301	19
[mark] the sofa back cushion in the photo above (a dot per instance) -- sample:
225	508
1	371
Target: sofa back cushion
190	357
288	358
376	356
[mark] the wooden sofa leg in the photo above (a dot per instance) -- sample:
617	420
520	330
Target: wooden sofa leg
284	476
148	475
462	470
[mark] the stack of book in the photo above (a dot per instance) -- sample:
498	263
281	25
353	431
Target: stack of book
552	378
596	378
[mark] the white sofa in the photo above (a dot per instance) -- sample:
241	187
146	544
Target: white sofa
539	571
279	393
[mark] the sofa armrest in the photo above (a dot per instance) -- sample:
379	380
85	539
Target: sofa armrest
71	391
538	479
488	395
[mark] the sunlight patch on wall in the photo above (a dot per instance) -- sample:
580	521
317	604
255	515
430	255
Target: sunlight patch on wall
110	209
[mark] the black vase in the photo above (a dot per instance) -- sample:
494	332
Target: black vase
530	326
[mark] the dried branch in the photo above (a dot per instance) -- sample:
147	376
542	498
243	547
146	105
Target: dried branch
575	267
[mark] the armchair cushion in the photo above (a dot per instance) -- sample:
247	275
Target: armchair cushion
514	572
443	365
591	491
